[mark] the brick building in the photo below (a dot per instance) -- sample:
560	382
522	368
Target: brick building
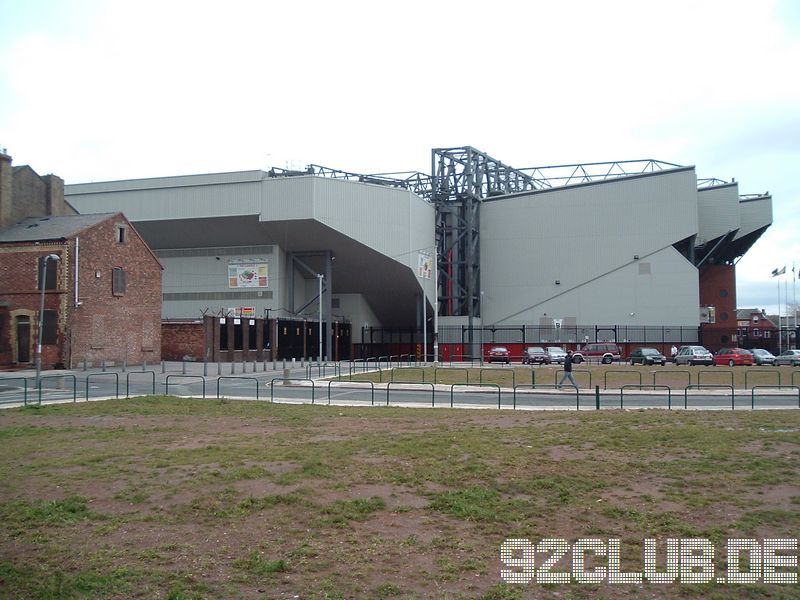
102	296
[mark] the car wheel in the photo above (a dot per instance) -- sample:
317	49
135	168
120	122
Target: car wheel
606	360
663	363
731	363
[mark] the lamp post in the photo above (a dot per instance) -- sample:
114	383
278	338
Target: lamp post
43	280
319	356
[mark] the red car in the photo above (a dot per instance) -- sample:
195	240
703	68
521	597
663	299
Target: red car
734	356
499	354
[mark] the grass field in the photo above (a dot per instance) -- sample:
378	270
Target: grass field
587	375
181	498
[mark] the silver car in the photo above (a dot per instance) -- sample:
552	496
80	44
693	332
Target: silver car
556	355
763	357
694	355
788	357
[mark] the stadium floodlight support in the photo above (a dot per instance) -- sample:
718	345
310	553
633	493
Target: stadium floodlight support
461	178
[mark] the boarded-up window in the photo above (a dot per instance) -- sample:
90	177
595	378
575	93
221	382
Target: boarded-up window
98	331
148	335
50	327
118	281
50	276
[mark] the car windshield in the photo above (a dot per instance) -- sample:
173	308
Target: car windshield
499	349
554	350
649	351
535	349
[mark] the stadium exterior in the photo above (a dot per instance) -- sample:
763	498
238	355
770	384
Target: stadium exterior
630	252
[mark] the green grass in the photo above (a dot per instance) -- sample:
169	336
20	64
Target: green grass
199	499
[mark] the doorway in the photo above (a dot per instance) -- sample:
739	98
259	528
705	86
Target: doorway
23	339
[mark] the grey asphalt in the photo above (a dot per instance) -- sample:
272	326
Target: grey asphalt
306	384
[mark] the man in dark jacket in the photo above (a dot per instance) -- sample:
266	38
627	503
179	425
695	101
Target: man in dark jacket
568	371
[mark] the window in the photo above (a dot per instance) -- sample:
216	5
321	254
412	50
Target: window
118	281
757	332
51	276
122	233
50	327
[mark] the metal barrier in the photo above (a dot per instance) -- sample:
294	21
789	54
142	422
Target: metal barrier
793	374
711	385
719	372
495	369
670	372
748	372
322	369
166	382
128	381
371	387
74	385
272	386
642	386
116	380
494	385
773	387
239	378
450	369
589	373
420	369
433	399
605	377
24	387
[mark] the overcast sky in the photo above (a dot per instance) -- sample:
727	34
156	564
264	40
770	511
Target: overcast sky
96	91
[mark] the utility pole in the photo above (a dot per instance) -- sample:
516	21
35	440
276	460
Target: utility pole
43	281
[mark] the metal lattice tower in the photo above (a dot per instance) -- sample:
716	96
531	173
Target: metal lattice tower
461	178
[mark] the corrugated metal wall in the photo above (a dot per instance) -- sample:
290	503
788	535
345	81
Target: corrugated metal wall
717	211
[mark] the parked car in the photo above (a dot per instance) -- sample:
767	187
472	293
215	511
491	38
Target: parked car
788	357
693	355
605	351
499	354
763	357
555	355
535	355
733	357
647	356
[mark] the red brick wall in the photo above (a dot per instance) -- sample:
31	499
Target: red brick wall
18	288
718	289
112	327
179	340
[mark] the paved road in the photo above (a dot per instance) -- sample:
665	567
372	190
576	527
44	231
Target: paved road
265	382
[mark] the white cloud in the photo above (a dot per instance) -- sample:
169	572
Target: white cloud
159	88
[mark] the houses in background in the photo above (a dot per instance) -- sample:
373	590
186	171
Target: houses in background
98	282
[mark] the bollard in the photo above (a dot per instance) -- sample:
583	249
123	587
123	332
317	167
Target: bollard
219	368
285	376
124	365
284	364
254	366
144	365
233	367
205	368
303	362
163	367
274	364
265	365
103	365
183	367
85	364
597	397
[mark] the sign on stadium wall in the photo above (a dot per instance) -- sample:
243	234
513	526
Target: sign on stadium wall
248	275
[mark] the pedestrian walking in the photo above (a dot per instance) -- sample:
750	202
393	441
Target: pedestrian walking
568	371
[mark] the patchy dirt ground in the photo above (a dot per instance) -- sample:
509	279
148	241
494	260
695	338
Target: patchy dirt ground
168	498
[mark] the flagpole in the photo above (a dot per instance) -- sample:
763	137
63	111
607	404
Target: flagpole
780	346
794	302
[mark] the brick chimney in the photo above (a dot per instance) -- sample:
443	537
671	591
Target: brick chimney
6	187
54	201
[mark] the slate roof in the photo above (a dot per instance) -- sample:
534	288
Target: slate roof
51	228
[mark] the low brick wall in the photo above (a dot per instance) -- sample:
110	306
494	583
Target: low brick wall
182	340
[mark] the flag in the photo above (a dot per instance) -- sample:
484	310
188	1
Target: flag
777	272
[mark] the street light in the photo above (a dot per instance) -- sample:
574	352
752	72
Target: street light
319	357
43	279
